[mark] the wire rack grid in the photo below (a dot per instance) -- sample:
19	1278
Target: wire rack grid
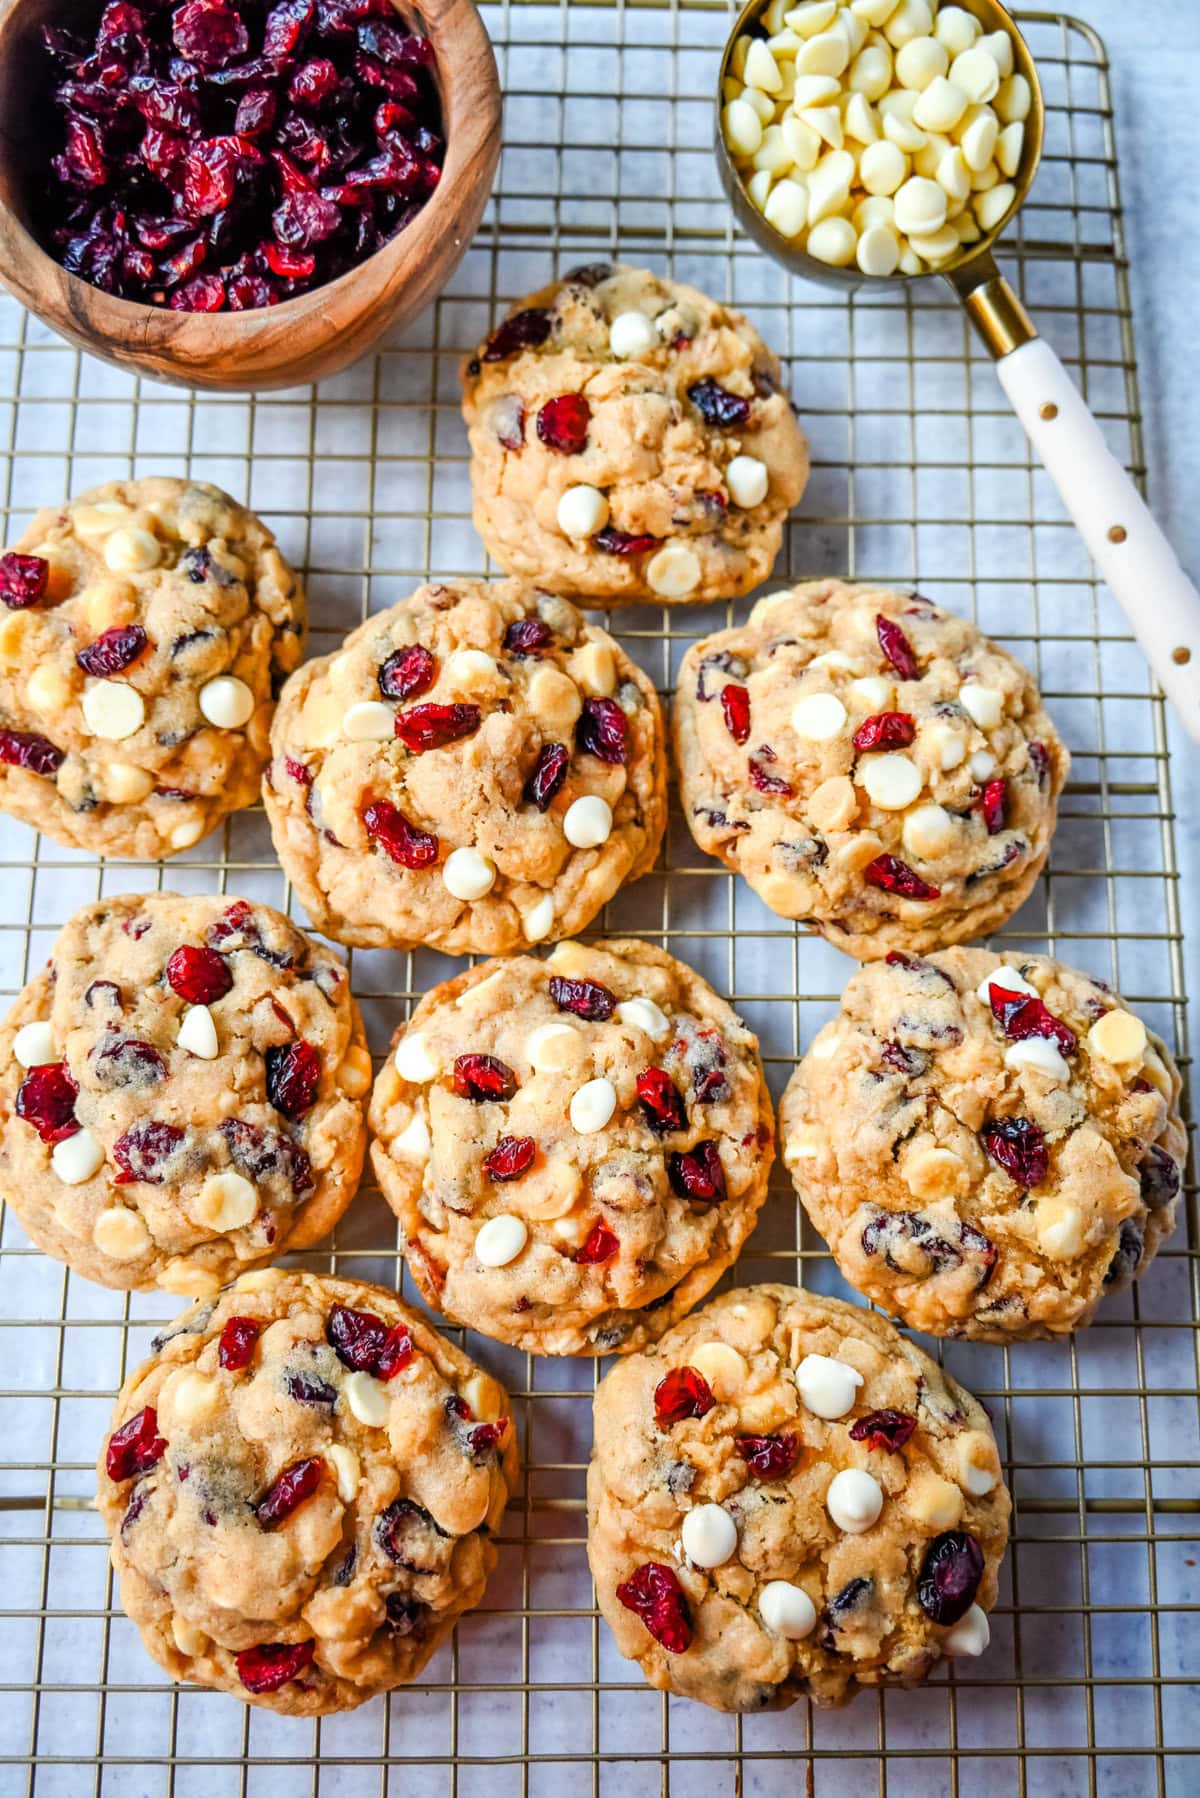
919	475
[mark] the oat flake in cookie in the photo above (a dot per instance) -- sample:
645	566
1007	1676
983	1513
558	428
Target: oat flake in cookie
182	1092
302	1486
576	1148
144	630
990	1144
477	769
871	764
786	1498
629	441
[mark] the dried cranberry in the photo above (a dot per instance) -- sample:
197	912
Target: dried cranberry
886	730
103	993
599	1246
486	1436
483	1078
205	294
511	1157
302	776
26	749
238	1341
1019	1147
892	875
527	636
589	274
896	647
770	1457
261	1153
365	1343
408	1535
612	542
1039	759
888	1430
698	1174
46	1099
549	772
210	33
126	1061
682	1393
520	331
200	976
407	672
765	781
902	1060
584	998
293	1075
307	1389
993	806
136	1447
662	1105
294	1485
950	1576
273	1664
1160	1178
1124	1264
1022	1015
313	82
404	1616
562	423
23	579
602	730
142	1150
717	406
735	703
399	837
433	726
654	1594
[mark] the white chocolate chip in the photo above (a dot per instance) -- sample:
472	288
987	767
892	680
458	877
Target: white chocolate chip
920	205
912	18
742	127
414	1141
190	1396
872	692
860	120
826	121
187	1638
472	671
77	1158
928	832
1005	977
934	1173
854	1500
970	1636
956	28
1119	1037
353	1074
827	1388
983	764
746	478
975	71
833	804
1009	146
113	709
674	572
920	61
131	551
500	1240
825	54
198	1033
347	1469
582	511
632	334
762	71
467	875
644	1014
367	1399
891	781
593	1106
33	1045
1014	99
594	668
46	689
941	106
709	1536
184	835
834	241
227	1201
413	1059
554	698
369	721
896	110
1059	1226
933	1501
123	784
953	175
723	1367
882	168
818	716
588	822
553	1048
984	704
1040	1054
802	142
787	1610
978	1464
878	251
991	207
226	702
871	72
120	1234
538	921
998	44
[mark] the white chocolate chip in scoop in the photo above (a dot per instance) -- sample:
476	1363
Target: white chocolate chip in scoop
709	1536
120	1234
1119	1037
33	1045
226	702
113	709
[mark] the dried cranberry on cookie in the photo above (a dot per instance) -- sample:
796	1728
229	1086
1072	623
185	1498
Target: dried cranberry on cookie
576	1148
990	1144
182	1092
788	1499
302	1486
871	764
629	441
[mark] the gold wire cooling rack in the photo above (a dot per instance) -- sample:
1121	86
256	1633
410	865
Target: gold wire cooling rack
920	474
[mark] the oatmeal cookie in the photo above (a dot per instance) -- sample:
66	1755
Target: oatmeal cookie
787	1498
144	630
629	441
989	1144
576	1148
871	764
182	1092
477	769
302	1489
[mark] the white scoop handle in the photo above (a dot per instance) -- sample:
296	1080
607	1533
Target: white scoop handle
1135	560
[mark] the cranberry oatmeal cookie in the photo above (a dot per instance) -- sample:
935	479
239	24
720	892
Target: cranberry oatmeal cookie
989	1144
629	441
477	769
144	630
182	1092
786	1498
871	764
302	1489
576	1148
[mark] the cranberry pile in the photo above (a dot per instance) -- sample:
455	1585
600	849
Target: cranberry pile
231	154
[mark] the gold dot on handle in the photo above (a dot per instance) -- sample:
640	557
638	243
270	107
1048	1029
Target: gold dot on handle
1049	410
1182	655
1117	534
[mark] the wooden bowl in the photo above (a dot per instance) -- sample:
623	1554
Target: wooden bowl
301	339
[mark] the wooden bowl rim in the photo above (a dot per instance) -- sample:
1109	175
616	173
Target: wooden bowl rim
47	289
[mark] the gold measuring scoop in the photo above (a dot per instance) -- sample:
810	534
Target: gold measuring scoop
1133	556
